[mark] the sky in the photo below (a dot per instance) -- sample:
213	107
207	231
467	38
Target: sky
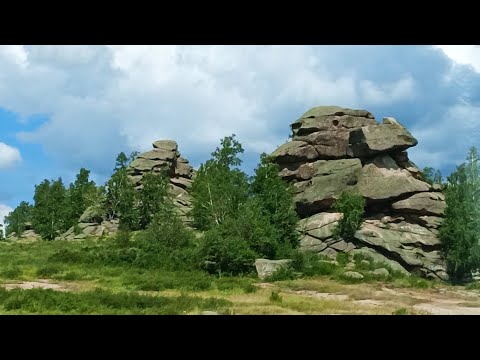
67	107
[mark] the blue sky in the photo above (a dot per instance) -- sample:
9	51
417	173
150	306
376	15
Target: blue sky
66	107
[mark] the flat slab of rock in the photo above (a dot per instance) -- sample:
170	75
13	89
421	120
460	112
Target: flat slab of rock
381	183
294	152
427	203
267	267
375	139
167	145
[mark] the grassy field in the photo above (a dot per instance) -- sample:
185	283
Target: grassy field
48	278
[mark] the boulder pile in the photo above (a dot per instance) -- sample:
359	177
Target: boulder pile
335	149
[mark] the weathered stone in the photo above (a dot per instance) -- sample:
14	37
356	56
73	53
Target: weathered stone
309	243
381	183
294	151
353	275
381	272
340	245
328	144
80	236
158	154
91	215
181	182
330	117
183	170
331	179
379	258
410	244
430	221
426	203
329	252
167	145
375	139
145	165
267	267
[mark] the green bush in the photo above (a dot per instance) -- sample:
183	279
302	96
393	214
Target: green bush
275	297
352	206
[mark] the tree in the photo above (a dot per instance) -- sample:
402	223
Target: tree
219	188
80	196
121	200
432	176
16	220
121	162
276	199
1	232
153	197
460	231
50	211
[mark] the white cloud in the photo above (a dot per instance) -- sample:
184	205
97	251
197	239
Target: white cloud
4	211
440	145
104	99
9	156
463	54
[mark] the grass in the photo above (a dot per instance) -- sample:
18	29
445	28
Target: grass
102	302
108	287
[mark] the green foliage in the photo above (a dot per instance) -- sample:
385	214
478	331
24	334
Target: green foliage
166	243
102	302
50	211
275	297
219	188
284	273
15	221
461	227
353	208
80	197
153	197
276	199
121	200
222	252
432	176
401	311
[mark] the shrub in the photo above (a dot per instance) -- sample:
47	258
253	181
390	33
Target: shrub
275	297
353	208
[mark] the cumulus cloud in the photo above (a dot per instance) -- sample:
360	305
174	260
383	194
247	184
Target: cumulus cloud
100	100
9	156
463	54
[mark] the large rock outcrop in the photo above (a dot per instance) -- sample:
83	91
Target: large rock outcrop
333	150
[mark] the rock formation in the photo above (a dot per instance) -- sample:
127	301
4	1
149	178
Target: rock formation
28	233
165	157
334	150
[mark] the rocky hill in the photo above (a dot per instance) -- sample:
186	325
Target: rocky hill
333	150
28	233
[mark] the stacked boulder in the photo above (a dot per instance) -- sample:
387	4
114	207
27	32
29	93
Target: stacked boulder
91	223
28	233
334	150
165	157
